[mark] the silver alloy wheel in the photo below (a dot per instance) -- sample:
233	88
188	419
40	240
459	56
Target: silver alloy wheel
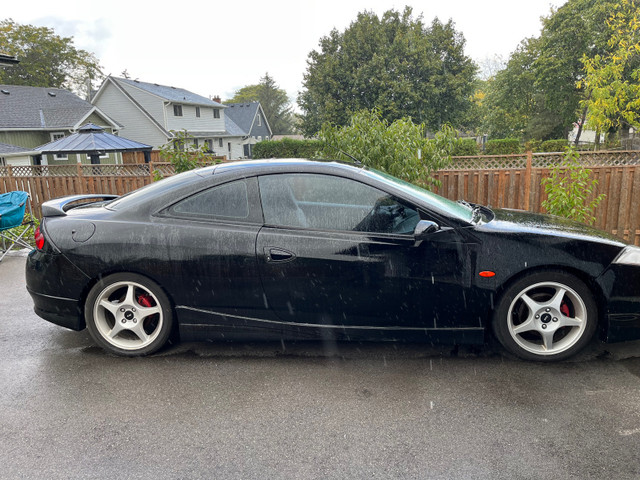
547	318
122	320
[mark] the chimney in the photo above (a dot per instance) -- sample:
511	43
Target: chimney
216	99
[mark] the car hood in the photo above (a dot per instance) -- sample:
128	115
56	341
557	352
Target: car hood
523	222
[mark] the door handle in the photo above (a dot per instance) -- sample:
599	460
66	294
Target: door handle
279	255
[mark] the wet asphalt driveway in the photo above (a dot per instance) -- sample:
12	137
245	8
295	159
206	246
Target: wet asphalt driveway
297	411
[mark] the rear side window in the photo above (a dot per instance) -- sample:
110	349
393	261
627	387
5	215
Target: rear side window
227	201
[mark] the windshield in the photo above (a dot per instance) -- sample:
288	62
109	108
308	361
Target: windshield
461	210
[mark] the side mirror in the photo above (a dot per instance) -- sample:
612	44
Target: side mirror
425	228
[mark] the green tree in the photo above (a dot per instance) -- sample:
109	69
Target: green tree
394	63
46	59
274	101
398	148
509	99
538	95
613	79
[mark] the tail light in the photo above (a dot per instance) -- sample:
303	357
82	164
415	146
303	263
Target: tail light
39	237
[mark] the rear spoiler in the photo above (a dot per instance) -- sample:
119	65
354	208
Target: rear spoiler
59	206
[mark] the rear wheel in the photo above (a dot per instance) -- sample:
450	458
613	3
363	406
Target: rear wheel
128	314
546	316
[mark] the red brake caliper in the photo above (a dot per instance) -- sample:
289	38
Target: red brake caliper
146	301
564	308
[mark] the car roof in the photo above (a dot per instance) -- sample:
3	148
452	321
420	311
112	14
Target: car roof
282	164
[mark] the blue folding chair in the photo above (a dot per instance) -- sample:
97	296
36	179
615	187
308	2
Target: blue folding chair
12	209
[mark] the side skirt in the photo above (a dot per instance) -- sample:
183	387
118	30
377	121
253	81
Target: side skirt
199	325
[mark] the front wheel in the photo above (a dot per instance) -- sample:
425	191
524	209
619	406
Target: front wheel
128	314
546	316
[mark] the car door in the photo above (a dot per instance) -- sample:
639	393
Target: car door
209	250
335	251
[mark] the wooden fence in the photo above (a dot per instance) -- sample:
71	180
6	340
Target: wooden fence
515	181
505	181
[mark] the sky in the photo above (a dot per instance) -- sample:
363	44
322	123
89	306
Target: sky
215	47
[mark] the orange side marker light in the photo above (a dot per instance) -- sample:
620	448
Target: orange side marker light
487	274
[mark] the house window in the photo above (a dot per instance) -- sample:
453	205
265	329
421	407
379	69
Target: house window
259	120
198	112
216	113
195	143
209	144
57	136
220	142
177	110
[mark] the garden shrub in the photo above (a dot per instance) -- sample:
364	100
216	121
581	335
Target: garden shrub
503	146
559	145
465	147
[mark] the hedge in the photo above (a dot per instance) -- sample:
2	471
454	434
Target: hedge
286	148
503	146
465	147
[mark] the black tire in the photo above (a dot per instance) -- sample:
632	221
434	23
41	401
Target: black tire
546	316
128	314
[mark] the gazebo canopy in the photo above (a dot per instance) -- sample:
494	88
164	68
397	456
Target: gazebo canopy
92	140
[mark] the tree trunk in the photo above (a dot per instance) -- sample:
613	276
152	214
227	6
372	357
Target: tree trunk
580	124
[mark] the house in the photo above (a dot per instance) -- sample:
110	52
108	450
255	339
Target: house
8	60
33	116
14	155
251	121
149	112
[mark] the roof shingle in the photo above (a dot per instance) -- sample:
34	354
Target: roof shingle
40	108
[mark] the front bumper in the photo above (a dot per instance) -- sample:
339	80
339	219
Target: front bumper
621	287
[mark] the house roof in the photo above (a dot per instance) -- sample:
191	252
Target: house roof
172	94
6	149
232	128
242	114
90	139
38	108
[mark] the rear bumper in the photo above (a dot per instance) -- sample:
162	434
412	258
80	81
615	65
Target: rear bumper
61	311
56	288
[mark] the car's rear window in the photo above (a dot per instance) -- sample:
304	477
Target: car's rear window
150	190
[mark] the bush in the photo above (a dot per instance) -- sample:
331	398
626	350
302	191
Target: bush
503	146
286	148
465	147
559	145
568	189
398	148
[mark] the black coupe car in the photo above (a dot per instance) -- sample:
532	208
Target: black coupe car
296	249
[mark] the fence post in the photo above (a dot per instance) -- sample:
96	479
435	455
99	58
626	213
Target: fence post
527	180
12	180
80	178
150	171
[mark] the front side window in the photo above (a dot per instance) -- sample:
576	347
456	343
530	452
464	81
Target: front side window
326	202
216	113
177	110
229	200
198	112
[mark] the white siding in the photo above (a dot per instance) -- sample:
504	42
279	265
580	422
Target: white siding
188	121
151	103
18	161
237	149
137	126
